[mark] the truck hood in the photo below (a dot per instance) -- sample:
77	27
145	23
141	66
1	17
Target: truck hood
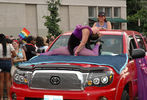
117	62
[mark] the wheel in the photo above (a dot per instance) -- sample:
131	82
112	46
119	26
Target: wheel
125	95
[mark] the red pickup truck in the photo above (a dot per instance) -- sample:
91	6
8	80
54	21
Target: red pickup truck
110	76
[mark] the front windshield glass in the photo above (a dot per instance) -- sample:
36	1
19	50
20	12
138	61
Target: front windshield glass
61	41
112	44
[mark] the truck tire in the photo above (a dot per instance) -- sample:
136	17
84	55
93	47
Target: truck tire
125	95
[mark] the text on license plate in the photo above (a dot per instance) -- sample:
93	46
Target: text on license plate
52	97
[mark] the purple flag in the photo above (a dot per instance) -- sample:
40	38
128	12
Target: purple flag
141	64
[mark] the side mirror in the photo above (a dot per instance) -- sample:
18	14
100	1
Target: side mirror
138	53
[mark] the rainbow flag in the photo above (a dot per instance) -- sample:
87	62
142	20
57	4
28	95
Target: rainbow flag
24	33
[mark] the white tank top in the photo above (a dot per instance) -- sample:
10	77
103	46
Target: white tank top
9	49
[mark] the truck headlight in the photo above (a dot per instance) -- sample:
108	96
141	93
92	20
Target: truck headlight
96	81
21	77
104	79
100	79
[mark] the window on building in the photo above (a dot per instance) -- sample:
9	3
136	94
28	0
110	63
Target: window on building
107	10
117	11
92	11
101	9
116	25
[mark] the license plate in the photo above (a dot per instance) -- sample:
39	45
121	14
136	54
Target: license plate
52	97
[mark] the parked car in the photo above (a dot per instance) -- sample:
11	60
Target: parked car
110	76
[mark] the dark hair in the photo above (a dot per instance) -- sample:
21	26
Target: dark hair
94	37
9	40
48	40
39	41
29	39
3	42
91	40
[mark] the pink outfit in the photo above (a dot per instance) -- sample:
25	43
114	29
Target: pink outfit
78	31
64	51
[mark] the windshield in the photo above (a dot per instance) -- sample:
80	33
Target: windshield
61	41
112	44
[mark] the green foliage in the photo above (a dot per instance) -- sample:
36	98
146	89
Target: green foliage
133	6
135	13
52	20
133	20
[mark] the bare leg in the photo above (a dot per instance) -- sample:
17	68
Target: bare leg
57	51
1	85
8	83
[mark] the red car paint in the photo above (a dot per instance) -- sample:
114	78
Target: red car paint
126	80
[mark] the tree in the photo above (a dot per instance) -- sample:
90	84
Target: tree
52	20
141	15
137	16
133	6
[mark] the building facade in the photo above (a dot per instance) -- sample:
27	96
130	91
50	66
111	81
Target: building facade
17	14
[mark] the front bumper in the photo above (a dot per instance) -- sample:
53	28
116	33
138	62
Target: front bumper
90	93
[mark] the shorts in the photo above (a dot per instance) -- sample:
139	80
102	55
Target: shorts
72	43
5	65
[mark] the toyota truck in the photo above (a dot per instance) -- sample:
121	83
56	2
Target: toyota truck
110	76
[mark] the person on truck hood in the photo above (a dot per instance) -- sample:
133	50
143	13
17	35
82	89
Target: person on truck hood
77	42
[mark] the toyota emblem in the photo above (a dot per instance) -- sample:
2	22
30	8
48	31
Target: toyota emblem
55	80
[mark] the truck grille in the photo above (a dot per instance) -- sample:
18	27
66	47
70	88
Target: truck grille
57	80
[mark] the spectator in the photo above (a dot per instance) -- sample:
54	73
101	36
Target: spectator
20	55
29	48
6	51
11	37
50	40
52	37
102	22
41	48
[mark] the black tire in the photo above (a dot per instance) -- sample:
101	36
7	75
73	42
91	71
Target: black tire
125	95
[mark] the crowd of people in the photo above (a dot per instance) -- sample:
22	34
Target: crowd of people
14	51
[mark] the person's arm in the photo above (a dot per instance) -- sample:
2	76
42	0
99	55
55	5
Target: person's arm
20	59
85	35
109	25
13	53
24	55
94	25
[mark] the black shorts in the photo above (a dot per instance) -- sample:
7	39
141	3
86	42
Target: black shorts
72	43
5	65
